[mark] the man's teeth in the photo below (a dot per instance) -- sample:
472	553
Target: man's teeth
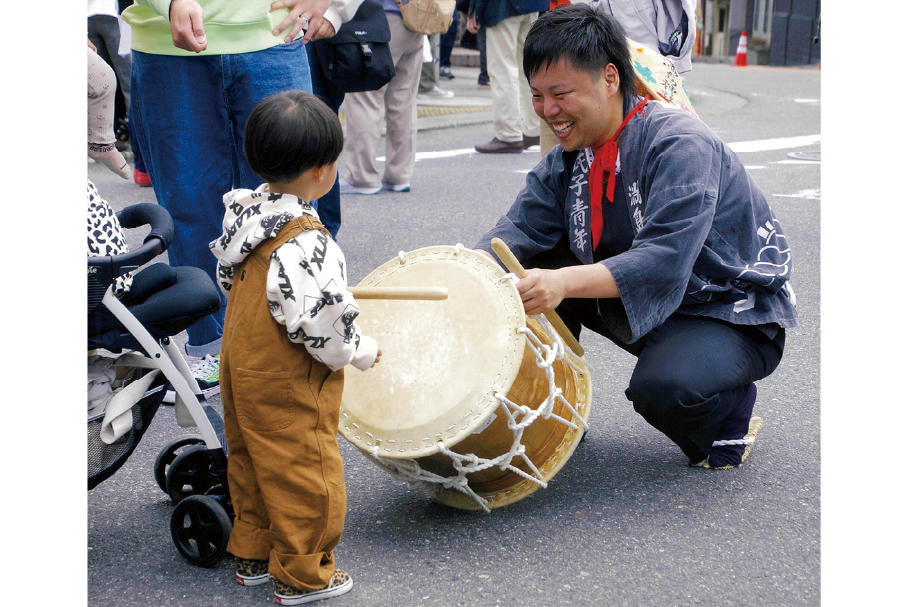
562	126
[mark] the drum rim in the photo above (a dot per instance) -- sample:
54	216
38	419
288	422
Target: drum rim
548	468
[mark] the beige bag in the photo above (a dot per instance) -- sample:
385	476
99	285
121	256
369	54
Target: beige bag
427	16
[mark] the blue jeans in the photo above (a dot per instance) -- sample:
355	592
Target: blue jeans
329	206
190	115
446	43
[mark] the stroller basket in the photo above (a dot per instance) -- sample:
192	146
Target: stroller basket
103	459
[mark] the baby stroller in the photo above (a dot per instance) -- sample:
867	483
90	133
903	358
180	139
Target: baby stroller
162	302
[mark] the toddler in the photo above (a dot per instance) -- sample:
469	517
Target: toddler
289	331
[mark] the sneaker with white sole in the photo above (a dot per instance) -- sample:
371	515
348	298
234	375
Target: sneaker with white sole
251	572
396	187
207	372
340	583
349	188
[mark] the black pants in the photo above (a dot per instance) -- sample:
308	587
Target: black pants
691	371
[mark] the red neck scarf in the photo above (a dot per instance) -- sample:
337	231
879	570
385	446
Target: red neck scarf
604	159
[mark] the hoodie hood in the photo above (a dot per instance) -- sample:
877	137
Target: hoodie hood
251	218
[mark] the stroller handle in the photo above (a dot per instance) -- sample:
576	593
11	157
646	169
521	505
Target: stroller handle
156	242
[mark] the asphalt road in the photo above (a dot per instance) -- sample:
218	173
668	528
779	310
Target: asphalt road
626	522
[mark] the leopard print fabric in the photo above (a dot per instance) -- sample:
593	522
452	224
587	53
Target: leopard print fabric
105	236
339	578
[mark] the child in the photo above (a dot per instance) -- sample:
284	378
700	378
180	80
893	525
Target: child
288	332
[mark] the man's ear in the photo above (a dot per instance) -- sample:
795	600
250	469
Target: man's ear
611	77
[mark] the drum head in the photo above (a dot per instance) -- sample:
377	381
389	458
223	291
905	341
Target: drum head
442	361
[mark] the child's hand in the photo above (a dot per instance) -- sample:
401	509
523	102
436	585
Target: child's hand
378	356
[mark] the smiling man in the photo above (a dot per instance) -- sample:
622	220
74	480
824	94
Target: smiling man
644	227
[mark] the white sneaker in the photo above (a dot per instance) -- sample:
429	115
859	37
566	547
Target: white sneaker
207	372
349	188
436	93
396	187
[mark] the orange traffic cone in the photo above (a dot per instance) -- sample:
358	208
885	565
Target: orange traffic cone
741	53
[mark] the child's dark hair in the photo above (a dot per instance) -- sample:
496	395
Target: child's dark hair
289	133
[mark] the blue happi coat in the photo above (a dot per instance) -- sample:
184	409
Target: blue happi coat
706	242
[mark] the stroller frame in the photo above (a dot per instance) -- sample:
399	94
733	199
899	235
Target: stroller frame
192	470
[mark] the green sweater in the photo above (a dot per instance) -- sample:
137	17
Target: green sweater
231	26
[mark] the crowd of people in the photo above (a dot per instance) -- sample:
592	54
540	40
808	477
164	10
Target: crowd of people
640	224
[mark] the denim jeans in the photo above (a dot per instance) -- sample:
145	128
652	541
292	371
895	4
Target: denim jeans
329	206
190	115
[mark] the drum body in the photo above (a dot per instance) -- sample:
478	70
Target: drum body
471	398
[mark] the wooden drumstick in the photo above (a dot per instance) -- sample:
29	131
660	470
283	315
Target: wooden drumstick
514	266
421	293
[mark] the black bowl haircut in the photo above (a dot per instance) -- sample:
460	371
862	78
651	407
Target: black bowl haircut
589	39
289	133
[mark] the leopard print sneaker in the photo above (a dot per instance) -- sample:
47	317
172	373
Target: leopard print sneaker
251	572
340	583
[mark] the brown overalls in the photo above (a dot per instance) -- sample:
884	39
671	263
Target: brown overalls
281	421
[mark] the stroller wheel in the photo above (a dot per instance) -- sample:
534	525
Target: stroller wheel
190	474
167	455
200	529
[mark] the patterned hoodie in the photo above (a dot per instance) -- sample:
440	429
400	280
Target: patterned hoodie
306	285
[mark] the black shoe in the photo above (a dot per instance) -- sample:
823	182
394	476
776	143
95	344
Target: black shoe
445	72
500	147
531	141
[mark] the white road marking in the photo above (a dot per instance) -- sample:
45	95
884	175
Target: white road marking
808	194
764	145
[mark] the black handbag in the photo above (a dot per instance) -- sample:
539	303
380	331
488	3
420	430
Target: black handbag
357	58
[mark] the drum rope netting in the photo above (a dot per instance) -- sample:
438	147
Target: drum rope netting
518	418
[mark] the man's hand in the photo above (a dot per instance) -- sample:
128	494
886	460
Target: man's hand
92	46
303	14
542	290
472	24
186	25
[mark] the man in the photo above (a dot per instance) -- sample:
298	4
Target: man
645	228
506	23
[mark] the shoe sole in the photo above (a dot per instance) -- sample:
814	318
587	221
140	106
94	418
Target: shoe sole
318	595
256	580
505	151
396	188
362	192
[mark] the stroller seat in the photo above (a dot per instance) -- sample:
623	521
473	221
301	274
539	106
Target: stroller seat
165	300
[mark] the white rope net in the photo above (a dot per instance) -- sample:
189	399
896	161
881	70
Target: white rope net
519	417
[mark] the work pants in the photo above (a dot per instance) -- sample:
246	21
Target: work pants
512	107
691	372
396	103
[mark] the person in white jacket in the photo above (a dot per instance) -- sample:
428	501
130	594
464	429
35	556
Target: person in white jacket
289	331
666	26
